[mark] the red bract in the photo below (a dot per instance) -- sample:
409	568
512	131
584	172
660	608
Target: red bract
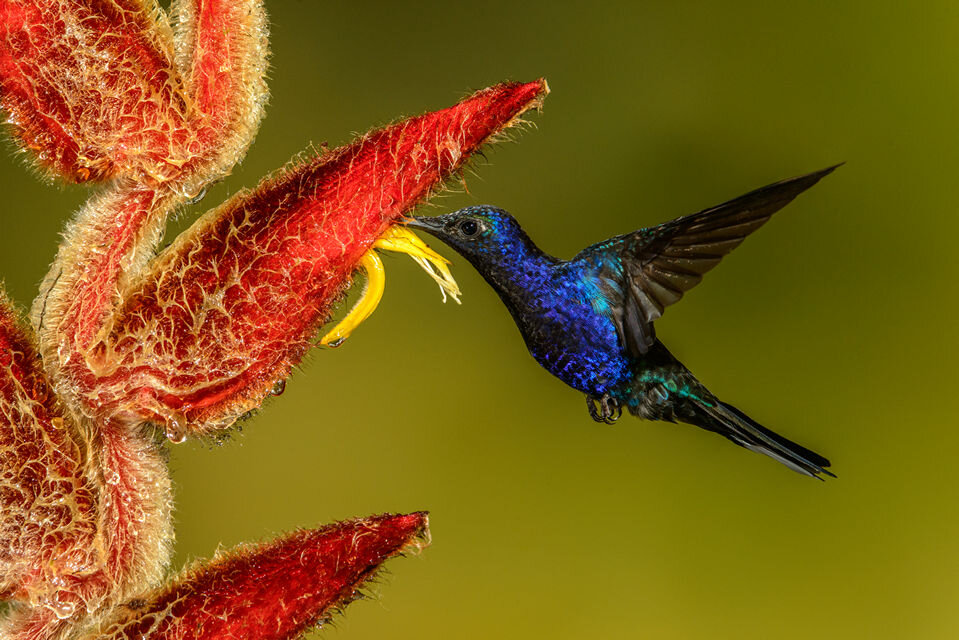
122	343
276	590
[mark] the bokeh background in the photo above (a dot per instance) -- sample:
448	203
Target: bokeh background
835	325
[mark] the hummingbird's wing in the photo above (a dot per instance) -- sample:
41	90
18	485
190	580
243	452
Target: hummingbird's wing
661	263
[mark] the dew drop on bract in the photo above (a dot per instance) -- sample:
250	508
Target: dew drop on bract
63	610
176	428
278	388
196	196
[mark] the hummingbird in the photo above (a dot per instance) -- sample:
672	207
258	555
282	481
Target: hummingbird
589	320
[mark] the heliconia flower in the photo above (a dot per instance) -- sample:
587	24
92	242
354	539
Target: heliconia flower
205	333
123	341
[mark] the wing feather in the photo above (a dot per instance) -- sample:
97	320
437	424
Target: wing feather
662	263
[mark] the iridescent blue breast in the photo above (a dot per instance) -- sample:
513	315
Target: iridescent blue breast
568	328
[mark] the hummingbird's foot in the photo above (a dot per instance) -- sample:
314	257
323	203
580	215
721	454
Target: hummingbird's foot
402	240
604	409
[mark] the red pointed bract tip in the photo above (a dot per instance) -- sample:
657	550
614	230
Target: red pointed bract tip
271	591
421	153
347	198
292	243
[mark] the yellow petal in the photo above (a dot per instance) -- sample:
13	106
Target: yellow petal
364	307
403	240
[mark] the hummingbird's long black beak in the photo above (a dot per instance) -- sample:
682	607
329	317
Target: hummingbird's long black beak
433	225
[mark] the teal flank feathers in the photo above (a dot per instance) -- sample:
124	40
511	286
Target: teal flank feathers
589	320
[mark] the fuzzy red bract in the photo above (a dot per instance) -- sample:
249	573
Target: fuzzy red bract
89	86
269	591
292	243
123	344
39	467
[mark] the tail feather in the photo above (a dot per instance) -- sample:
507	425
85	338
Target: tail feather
735	425
663	389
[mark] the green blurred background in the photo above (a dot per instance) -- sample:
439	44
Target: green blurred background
834	325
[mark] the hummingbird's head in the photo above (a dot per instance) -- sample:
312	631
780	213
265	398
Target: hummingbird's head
484	235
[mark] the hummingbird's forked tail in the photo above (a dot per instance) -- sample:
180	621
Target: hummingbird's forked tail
735	425
664	389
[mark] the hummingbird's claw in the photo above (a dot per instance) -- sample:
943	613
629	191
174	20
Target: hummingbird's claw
402	240
604	409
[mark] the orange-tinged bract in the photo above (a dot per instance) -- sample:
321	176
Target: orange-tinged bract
124	344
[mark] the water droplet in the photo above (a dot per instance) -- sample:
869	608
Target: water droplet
196	196
113	478
278	388
335	343
176	428
63	610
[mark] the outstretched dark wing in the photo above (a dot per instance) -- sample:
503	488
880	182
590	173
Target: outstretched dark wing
662	263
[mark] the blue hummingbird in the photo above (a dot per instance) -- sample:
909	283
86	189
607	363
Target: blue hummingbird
589	320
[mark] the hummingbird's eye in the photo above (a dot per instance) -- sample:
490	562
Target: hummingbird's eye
469	227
